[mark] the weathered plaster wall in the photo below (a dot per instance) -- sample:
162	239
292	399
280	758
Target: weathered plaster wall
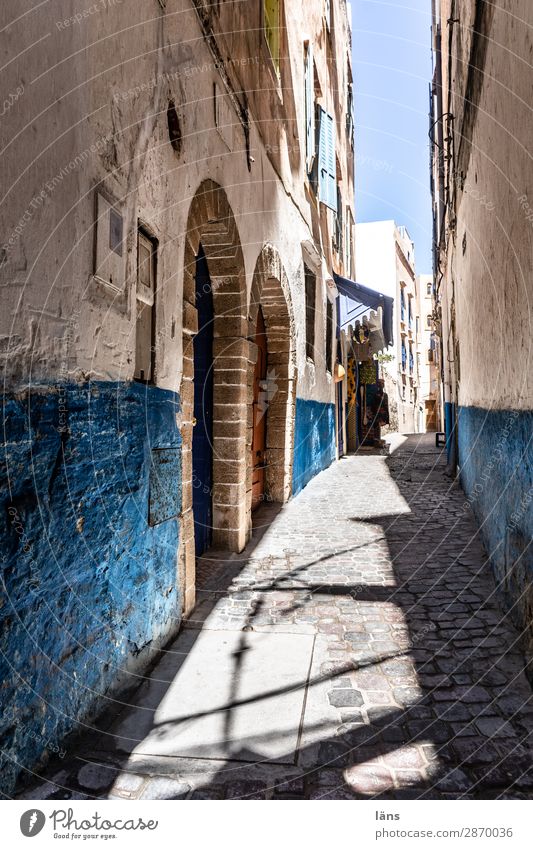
113	114
487	290
491	259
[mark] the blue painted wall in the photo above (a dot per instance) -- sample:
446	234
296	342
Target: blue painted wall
89	586
314	440
449	425
496	462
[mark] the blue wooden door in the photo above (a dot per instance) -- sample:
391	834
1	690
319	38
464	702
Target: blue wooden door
202	443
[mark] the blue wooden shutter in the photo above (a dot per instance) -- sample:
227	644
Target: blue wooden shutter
322	158
309	108
326	161
332	164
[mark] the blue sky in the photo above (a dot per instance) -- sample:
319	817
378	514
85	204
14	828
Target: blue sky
392	70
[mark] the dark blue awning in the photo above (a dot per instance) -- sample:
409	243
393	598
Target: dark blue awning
367	297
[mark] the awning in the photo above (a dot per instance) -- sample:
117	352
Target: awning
367	297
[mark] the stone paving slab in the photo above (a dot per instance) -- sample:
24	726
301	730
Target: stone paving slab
416	684
222	695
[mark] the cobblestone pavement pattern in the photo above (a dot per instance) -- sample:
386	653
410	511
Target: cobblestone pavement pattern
414	685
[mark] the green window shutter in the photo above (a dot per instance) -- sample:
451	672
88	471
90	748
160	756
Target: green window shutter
271	20
310	144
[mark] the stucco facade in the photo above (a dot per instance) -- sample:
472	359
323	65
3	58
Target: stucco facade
483	237
385	260
178	129
428	354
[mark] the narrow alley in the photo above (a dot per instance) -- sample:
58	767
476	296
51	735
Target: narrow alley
355	649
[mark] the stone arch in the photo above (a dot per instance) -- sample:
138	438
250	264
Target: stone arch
270	289
211	223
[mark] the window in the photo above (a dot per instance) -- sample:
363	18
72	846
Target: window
271	18
327	167
429	288
428	321
223	115
109	250
350	127
309	82
404	356
145	324
174	129
329	333
348	241
402	304
310	310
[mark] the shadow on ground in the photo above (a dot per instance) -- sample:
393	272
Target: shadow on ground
355	649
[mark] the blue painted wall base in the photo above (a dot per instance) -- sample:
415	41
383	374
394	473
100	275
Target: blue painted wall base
89	585
449	427
496	467
314	441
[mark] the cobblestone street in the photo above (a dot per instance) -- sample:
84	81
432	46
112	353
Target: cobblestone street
355	649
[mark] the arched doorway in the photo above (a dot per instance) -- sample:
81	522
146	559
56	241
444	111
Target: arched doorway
271	325
213	252
259	412
202	435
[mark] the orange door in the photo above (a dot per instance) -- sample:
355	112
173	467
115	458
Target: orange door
259	412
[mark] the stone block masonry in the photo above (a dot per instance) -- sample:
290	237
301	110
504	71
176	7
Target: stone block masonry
90	566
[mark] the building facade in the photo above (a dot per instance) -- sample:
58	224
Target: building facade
178	195
385	260
428	357
482	184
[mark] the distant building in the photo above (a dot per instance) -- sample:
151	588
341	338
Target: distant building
428	356
385	260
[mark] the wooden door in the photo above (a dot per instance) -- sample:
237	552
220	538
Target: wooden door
259	412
